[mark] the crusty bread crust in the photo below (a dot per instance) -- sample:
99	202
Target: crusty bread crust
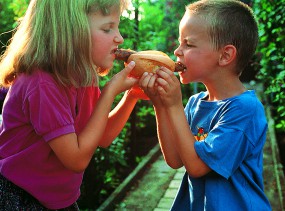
150	61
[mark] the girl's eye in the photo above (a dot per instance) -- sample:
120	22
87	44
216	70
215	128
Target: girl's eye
106	30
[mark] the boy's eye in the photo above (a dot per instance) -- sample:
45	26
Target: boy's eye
189	45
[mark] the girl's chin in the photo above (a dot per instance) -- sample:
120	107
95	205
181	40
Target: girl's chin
103	71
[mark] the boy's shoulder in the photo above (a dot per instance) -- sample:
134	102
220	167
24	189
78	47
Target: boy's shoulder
247	99
245	102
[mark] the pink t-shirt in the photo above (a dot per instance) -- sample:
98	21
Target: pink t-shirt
36	110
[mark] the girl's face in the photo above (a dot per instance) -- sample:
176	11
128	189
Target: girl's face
105	38
195	50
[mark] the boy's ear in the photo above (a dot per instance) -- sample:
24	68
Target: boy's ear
228	55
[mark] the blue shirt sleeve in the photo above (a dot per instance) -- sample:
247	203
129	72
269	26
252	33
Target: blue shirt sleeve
233	128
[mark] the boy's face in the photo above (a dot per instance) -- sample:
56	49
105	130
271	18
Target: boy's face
195	51
105	38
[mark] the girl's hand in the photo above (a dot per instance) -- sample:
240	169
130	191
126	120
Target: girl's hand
121	81
169	88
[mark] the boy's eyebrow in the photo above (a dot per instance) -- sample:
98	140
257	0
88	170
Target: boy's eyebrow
187	39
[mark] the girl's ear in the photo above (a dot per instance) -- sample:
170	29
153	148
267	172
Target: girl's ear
228	55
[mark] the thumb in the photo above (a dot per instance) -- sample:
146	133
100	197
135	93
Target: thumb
128	68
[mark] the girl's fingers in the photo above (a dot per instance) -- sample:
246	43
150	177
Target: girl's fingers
126	71
121	81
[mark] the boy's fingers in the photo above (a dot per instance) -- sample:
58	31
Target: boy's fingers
152	81
166	70
161	90
165	73
144	80
163	83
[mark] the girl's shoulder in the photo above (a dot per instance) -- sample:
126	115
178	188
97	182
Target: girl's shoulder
34	80
39	81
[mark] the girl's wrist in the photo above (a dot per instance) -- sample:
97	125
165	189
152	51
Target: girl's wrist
107	90
130	96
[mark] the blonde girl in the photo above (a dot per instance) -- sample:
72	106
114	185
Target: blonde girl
54	115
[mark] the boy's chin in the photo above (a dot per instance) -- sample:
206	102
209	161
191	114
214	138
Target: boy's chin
183	81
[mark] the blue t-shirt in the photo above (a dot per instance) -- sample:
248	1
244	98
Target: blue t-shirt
230	135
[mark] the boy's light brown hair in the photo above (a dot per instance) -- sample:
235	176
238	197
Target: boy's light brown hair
230	22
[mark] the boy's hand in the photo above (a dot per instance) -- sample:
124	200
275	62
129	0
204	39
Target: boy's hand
168	88
148	83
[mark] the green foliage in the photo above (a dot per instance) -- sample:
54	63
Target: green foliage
271	49
10	12
106	171
6	23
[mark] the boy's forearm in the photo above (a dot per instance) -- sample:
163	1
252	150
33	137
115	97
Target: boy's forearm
166	137
184	142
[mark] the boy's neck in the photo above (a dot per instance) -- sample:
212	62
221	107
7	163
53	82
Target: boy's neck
224	90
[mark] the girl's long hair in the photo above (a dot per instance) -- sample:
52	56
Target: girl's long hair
54	35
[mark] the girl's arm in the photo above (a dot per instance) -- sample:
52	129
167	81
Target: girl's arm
75	151
118	118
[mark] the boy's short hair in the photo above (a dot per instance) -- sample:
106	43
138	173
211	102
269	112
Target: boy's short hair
230	22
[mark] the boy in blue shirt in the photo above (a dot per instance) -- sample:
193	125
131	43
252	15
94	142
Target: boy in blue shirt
220	134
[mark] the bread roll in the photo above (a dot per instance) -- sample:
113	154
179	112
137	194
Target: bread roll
150	61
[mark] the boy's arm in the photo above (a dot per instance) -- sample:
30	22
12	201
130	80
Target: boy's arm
183	140
164	131
165	137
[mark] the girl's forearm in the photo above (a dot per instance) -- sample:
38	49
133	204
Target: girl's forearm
89	138
75	151
117	119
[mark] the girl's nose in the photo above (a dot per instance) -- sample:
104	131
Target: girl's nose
118	38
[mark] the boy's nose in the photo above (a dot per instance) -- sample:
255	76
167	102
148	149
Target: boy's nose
178	52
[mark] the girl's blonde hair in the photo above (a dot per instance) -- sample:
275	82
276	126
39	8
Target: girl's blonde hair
54	35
